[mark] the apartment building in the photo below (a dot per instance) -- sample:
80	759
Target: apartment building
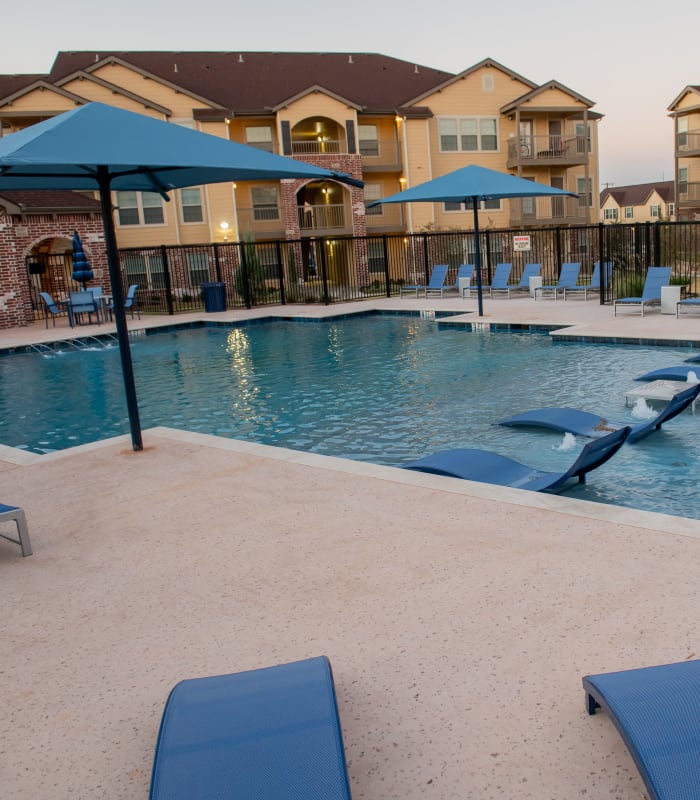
642	202
685	112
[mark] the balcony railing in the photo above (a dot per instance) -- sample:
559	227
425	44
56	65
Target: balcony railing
389	217
380	155
549	211
323	217
688	194
262	220
548	150
688	143
314	147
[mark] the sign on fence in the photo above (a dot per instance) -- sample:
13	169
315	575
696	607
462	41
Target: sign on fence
521	243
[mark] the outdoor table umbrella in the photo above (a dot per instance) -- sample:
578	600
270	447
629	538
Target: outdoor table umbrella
81	267
472	184
107	149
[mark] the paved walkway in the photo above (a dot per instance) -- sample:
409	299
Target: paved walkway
459	617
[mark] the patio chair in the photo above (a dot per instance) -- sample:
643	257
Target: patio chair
594	283
499	282
655	710
651	293
436	282
464	271
18	517
529	271
487	467
84	302
568	277
266	733
50	307
689	303
582	423
130	302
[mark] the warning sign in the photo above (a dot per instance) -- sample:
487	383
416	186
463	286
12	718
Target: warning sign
521	243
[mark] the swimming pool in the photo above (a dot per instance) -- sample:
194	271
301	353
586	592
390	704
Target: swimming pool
384	389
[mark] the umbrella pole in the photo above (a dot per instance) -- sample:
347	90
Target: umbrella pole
477	257
115	279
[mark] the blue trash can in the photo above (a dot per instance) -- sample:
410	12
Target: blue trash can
214	296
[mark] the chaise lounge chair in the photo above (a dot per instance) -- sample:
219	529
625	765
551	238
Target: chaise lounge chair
679	372
655	710
271	733
499	283
568	278
464	271
18	517
437	281
689	302
594	283
651	293
529	271
582	423
487	467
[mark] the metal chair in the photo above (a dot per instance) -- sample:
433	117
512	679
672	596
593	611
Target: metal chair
16	514
50	307
130	302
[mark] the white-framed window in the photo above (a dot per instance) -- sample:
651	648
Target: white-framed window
191	201
144	269
259	136
373	191
484	205
583	137
682	131
368	140
683	180
629	212
468	134
584	190
671	209
655	211
265	203
140	208
610	213
197	267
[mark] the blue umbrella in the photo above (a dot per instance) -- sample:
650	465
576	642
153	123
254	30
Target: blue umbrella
104	149
472	184
81	267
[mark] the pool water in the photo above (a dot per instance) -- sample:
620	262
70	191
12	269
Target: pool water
384	389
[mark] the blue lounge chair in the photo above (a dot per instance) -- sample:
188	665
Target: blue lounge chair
689	302
488	467
651	293
568	278
529	271
655	710
17	516
270	733
581	423
675	373
594	284
499	283
464	271
437	281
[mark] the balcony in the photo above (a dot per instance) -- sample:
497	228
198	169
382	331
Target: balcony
320	146
385	219
323	219
533	211
688	195
382	155
547	151
263	221
688	143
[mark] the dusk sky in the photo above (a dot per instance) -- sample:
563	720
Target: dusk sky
631	57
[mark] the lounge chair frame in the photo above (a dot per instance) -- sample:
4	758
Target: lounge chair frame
651	293
17	515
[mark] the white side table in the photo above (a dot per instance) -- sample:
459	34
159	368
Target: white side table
670	295
535	283
463	287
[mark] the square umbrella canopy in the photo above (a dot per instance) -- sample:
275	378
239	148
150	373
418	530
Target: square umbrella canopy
104	149
472	184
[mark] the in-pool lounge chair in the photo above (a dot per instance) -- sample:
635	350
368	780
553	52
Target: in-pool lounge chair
594	283
17	516
568	278
464	271
680	372
529	271
655	710
488	467
582	423
651	293
270	733
436	282
499	283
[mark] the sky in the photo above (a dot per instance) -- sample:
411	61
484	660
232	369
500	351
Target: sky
631	57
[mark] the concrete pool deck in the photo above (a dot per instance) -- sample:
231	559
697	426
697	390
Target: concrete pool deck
459	618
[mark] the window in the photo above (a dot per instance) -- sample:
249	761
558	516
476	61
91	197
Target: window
655	211
671	208
192	205
584	190
484	205
611	213
265	206
373	191
140	208
683	180
267	255
682	131
583	137
145	269
629	212
369	143
197	268
487	83
259	136
468	134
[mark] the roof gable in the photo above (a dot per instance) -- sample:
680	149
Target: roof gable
316	89
688	90
42	86
546	94
76	77
639	194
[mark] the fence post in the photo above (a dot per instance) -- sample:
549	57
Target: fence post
425	258
167	280
557	248
657	244
280	272
387	279
244	273
324	275
217	263
601	258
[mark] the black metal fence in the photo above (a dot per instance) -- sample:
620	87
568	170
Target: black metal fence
328	270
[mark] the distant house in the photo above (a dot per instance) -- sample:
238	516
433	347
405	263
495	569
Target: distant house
685	111
643	202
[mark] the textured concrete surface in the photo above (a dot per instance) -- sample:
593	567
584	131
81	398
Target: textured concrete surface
459	618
